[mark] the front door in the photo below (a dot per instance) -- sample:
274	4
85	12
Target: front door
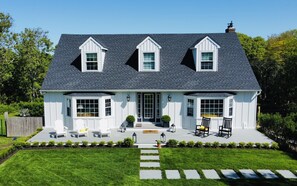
149	107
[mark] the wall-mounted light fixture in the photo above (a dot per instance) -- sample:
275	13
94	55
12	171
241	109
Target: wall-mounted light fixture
169	98
128	97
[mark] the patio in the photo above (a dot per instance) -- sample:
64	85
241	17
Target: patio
239	135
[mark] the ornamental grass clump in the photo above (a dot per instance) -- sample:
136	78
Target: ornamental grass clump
265	145
85	143
191	144
241	144
42	144
215	144
110	143
249	145
102	143
182	144
94	144
76	144
199	144
119	143
60	144
128	142
207	144
232	145
35	144
51	143
172	143
274	146
68	143
224	145
258	145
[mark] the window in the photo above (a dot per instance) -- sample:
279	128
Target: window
230	107
92	63
87	108
212	107
158	105
68	102
190	107
206	60
107	107
149	61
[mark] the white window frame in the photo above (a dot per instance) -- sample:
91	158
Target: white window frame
231	106
86	61
110	107
87	98
150	62
69	106
193	107
201	60
212	98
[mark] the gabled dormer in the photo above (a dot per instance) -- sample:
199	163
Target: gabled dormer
148	55
92	56
205	54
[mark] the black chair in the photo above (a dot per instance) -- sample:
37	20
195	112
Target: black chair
226	127
203	128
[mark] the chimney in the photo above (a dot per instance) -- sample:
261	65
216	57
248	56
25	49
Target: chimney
230	28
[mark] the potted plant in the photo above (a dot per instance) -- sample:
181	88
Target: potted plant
130	120
158	143
165	120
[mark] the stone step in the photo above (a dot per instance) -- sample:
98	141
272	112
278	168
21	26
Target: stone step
149	164
249	174
211	174
230	174
172	174
268	174
191	174
149	152
149	158
287	174
150	174
146	146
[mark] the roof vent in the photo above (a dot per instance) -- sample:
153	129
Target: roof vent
230	28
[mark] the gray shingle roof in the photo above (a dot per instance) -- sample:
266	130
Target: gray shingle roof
176	69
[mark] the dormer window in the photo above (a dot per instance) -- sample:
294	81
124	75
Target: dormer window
92	56
148	55
148	61
206	60
92	61
205	54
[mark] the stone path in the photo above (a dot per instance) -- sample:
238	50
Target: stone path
150	169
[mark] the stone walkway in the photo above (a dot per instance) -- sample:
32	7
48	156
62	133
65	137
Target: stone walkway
150	169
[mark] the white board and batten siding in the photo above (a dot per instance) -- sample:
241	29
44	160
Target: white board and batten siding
149	46
53	108
91	46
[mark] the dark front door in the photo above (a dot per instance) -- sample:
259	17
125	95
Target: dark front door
148	108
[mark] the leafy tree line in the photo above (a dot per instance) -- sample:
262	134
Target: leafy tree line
274	62
24	60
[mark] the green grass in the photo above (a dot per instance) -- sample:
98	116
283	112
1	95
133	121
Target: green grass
2	123
120	166
5	143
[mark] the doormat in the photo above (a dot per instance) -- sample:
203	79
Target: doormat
138	125
150	131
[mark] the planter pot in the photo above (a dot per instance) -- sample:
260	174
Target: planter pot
159	146
130	124
165	124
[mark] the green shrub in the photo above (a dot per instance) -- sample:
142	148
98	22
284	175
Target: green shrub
172	143
182	144
85	143
258	145
241	144
7	151
274	146
60	144
191	144
110	143
102	143
68	143
39	129
42	144
128	142
207	144
232	145
224	145
51	143
76	144
199	144
35	144
215	144
35	108
8	108
94	144
130	119
18	144
165	118
265	145
120	143
27	144
249	145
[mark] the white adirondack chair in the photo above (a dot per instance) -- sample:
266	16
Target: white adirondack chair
60	129
79	128
104	130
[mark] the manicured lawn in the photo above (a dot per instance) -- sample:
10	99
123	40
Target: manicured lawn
120	166
5	142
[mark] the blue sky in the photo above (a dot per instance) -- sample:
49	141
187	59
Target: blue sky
252	17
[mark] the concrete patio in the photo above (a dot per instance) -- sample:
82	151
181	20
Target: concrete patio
239	135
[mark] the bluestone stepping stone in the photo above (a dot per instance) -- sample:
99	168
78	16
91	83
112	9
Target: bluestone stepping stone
149	164
149	158
248	173
172	174
287	174
146	146
230	174
191	174
149	152
268	174
150	174
211	174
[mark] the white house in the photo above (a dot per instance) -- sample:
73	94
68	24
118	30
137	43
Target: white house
105	78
